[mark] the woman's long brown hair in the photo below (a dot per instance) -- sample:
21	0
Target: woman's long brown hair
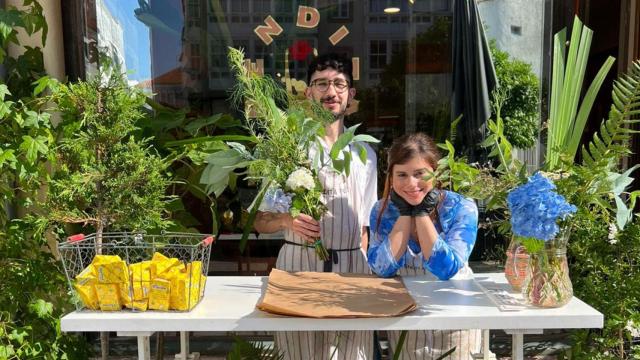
402	151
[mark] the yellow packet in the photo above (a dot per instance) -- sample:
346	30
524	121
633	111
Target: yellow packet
103	259
140	279
159	294
162	269
141	305
187	288
108	297
172	272
124	290
111	270
158	257
85	287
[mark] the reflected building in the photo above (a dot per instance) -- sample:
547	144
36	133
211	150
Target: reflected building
404	58
111	36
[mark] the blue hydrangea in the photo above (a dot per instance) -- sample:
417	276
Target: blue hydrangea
276	200
536	208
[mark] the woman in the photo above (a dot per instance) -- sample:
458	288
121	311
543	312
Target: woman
418	229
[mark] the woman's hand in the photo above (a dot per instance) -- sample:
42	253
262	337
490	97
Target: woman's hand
428	203
404	208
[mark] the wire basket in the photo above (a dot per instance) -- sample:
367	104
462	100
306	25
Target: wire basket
158	269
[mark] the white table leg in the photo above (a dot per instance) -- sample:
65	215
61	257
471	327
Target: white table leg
184	345
517	339
485	344
144	346
517	346
184	348
484	353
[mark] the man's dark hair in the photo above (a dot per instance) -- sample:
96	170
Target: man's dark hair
331	61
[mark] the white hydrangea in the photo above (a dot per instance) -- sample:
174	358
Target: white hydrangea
301	178
632	329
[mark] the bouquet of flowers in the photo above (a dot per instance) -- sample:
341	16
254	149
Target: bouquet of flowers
275	155
536	210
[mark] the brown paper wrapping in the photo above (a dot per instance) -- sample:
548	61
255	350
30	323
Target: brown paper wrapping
335	295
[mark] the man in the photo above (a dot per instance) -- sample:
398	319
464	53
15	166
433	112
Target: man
343	228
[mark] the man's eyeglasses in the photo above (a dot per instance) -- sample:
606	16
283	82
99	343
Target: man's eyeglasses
323	85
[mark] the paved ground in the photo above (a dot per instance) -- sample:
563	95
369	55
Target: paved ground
214	346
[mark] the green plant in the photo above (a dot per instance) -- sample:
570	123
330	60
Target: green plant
566	121
105	177
25	136
185	141
32	289
605	274
34	297
520	112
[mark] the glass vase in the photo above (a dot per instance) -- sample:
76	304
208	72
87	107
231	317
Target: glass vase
547	283
517	264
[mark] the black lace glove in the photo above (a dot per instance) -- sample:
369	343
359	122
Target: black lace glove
428	204
403	206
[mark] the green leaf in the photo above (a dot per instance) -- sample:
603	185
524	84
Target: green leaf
4	91
41	308
206	139
343	140
7	157
365	138
347	161
253	211
31	147
32	119
195	125
7	351
619	182
41	84
338	165
224	158
18	336
362	153
623	214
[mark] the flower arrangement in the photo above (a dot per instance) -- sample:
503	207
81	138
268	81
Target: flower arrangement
536	210
303	197
275	155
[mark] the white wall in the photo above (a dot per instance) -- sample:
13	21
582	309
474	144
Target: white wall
499	16
53	52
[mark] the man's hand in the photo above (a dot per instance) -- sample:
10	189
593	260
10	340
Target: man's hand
428	204
305	226
403	206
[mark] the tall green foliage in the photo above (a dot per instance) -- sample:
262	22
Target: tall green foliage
105	177
32	289
567	120
520	112
605	242
186	141
25	136
605	245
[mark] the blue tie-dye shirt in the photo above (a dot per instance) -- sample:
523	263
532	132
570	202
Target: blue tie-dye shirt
457	228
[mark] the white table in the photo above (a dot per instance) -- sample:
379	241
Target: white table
229	305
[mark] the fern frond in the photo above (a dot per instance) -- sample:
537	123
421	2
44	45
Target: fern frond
453	129
617	129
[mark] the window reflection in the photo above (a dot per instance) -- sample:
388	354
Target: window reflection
177	50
